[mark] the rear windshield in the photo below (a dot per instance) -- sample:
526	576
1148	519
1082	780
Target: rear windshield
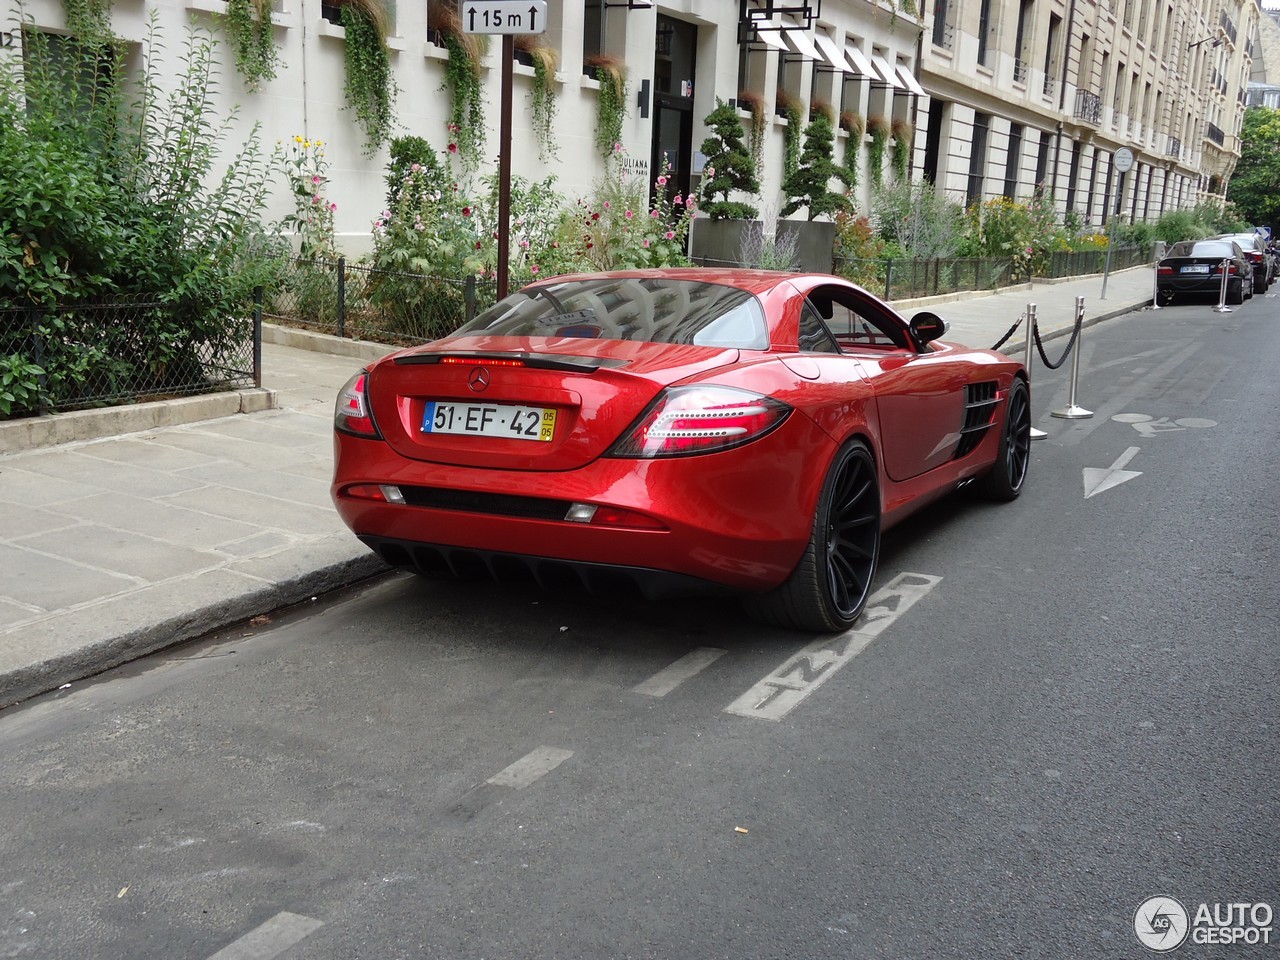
1202	248
652	310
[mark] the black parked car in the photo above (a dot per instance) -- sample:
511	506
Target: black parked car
1195	267
1263	259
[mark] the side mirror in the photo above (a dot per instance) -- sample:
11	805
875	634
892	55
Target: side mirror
927	327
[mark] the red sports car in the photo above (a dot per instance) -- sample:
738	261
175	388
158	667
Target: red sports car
683	430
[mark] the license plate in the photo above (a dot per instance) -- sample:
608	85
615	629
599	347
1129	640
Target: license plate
1196	268
489	420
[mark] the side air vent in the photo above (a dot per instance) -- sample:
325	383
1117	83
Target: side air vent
979	413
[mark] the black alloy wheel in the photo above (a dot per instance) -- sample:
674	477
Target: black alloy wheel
1004	481
830	586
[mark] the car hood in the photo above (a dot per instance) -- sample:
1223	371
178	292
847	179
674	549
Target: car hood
564	401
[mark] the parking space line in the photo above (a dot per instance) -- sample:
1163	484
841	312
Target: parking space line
785	688
667	679
532	766
271	938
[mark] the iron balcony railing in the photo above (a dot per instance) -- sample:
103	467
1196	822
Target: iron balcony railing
1020	70
1174	149
1214	132
1088	107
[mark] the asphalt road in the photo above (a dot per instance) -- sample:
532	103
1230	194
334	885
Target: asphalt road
1058	709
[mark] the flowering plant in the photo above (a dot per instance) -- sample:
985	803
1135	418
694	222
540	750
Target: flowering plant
618	229
306	169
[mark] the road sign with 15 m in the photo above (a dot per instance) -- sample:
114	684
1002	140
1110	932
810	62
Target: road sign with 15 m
504	16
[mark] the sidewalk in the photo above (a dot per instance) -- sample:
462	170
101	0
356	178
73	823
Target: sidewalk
163	531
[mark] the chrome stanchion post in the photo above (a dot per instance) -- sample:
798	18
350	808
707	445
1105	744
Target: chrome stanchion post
1222	294
1036	433
1074	412
1155	287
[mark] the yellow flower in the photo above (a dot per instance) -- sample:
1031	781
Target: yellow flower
297	139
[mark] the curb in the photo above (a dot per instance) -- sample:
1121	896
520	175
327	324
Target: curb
324	342
31	433
95	658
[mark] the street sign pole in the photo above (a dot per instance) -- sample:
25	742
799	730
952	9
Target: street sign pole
508	18
504	169
1123	161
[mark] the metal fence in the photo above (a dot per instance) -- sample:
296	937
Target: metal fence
78	356
363	303
902	279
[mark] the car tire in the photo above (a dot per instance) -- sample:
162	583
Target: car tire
1164	298
830	585
1007	476
1235	292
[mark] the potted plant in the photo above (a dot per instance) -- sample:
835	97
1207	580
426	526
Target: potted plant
901	130
790	109
809	185
248	24
611	74
462	78
543	60
878	127
852	122
753	103
369	88
729	167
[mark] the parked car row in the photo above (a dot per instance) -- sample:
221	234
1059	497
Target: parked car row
1242	262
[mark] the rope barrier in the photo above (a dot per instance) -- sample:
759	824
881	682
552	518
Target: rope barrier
1075	334
1005	339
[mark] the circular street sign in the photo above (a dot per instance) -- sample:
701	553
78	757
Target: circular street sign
1124	160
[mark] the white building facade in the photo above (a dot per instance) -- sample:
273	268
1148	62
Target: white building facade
996	97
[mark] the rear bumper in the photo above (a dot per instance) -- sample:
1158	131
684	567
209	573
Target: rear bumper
738	519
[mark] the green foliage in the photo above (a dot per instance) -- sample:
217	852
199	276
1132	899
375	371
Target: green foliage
249	27
918	221
612	104
19	385
878	127
856	127
789	107
809	184
753	103
102	200
901	131
466	94
769	251
542	98
405	152
729	166
369	87
307	172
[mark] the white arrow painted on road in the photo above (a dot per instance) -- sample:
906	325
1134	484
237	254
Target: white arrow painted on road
1096	480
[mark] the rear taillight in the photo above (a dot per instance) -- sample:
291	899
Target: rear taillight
684	421
1163	270
352	414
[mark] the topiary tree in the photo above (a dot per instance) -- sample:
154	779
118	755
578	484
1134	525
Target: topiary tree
808	186
730	166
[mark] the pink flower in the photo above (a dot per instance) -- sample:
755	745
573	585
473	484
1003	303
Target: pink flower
477	244
332	207
630	214
678	199
606	204
617	148
662	181
316	180
655	214
453	148
315	201
466	211
415	168
671	234
524	244
534	268
646	243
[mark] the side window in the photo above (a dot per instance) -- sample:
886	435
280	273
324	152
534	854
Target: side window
855	323
814	335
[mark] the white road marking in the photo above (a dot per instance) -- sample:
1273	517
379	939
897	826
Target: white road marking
533	766
690	665
786	687
1097	479
271	939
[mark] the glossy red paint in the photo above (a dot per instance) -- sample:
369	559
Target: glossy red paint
738	518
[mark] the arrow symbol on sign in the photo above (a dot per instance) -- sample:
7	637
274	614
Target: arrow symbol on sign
1096	480
533	19
471	25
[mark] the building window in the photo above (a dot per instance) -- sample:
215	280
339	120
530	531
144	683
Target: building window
1042	161
1013	160
986	25
977	158
1073	174
1022	43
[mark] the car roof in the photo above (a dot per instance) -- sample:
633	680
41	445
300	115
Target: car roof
757	282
